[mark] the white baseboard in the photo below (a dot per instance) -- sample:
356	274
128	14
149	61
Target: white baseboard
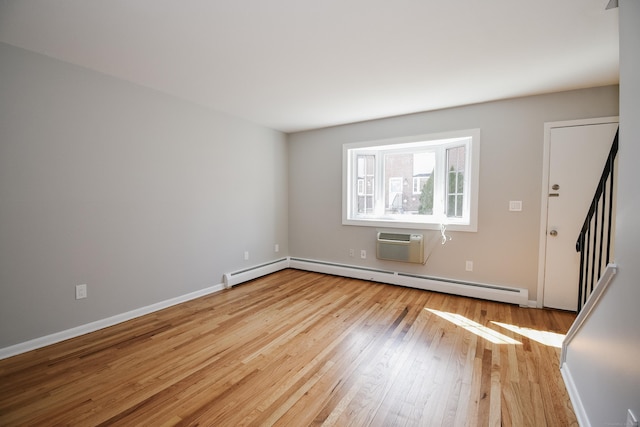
231	279
103	323
506	294
578	408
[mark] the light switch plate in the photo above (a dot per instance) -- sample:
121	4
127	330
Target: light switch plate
515	205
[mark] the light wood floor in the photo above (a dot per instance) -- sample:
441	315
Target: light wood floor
296	349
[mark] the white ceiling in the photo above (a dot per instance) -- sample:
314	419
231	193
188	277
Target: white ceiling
300	64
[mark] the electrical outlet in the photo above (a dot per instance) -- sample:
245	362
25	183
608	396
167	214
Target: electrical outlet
352	253
632	421
276	248
81	291
363	254
469	266
246	255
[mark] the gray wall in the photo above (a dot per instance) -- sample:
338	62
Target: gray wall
141	196
604	357
505	248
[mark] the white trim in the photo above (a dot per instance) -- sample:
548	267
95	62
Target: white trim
542	245
574	396
474	290
595	297
103	323
592	302
231	279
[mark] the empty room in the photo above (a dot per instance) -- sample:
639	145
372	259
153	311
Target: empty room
299	213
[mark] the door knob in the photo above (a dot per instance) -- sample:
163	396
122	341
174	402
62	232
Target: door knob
553	233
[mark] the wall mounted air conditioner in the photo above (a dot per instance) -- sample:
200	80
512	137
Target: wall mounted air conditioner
400	247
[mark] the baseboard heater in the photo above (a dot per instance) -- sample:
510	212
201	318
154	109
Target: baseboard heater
505	294
232	279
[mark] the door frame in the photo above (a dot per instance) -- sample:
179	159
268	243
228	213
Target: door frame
542	245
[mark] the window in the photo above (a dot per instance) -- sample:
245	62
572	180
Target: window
417	182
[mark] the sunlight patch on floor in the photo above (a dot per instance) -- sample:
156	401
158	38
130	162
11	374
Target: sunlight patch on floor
474	327
551	339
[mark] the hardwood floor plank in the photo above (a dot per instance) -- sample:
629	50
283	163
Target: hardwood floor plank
300	348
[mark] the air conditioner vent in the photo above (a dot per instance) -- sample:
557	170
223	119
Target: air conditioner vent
400	247
396	237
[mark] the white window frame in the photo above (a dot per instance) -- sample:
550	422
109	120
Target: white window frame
469	137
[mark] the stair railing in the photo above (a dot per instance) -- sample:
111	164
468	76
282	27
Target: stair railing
595	239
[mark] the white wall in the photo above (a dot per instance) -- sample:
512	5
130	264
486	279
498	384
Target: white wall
140	195
604	358
505	248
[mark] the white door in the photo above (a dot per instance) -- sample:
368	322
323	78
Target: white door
577	155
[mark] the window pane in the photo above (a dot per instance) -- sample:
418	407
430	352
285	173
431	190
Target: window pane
398	167
407	174
423	171
366	183
455	181
362	162
452	180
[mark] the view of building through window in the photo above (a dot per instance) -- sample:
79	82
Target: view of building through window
407	174
409	179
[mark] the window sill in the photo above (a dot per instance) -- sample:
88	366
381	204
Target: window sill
391	223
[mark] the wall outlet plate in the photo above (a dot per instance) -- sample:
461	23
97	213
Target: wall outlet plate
363	254
81	291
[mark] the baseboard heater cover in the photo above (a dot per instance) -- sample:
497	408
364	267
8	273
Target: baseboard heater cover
504	294
241	276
